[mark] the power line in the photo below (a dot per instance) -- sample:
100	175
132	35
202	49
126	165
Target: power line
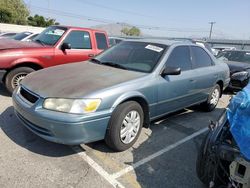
113	9
107	21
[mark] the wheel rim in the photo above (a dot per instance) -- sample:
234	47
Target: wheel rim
130	127
215	97
17	79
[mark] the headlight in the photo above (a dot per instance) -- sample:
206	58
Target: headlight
74	106
240	75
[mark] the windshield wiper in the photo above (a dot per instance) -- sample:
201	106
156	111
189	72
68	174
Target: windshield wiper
40	42
114	65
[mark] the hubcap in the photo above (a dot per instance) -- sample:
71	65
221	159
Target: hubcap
130	127
215	97
17	79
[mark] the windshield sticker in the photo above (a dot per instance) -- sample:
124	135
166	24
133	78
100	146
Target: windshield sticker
58	32
247	53
154	48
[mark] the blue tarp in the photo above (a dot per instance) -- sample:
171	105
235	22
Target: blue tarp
238	114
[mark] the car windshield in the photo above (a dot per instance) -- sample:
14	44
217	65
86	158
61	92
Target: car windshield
51	35
130	55
240	56
21	36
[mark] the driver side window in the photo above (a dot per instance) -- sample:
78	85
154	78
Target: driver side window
78	40
180	58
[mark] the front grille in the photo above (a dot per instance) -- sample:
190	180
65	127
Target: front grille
28	96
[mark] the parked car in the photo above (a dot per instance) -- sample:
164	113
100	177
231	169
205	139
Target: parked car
218	49
120	91
239	64
21	36
24	36
7	35
56	45
115	40
224	156
30	37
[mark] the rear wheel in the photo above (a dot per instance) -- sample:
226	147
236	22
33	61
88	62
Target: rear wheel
212	100
15	76
124	126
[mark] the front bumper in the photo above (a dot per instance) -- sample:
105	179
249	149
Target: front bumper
2	73
60	127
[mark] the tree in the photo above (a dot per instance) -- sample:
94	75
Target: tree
5	15
14	11
40	21
134	31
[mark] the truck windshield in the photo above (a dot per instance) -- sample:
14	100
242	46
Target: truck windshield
50	36
132	55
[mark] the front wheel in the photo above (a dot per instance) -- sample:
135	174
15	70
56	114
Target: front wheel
124	126
212	100
15	76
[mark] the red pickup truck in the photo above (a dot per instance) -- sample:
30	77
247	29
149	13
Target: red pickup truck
56	45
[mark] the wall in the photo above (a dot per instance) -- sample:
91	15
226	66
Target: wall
19	28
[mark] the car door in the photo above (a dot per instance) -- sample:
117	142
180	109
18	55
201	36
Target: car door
176	91
205	75
81	48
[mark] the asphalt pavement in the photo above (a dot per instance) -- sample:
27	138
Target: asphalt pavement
164	155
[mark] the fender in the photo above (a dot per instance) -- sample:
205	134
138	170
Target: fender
25	60
127	96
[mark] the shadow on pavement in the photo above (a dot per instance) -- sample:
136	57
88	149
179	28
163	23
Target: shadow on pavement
11	126
176	168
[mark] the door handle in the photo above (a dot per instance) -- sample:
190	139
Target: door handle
91	55
192	80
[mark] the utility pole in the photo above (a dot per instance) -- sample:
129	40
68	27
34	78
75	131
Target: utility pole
211	29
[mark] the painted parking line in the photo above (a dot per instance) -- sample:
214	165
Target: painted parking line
157	154
97	167
112	178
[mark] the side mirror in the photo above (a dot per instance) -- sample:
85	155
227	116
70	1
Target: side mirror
65	46
171	71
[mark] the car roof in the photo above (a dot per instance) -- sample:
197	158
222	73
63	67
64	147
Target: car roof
167	42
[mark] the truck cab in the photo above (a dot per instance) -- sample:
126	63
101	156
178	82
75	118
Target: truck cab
56	45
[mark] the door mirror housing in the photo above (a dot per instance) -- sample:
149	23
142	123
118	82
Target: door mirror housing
171	71
65	46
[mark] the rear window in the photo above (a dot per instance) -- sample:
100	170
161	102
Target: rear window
21	36
101	40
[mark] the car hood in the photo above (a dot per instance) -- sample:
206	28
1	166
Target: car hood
236	66
76	80
14	44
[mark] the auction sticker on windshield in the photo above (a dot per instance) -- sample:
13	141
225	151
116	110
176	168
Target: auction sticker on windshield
154	48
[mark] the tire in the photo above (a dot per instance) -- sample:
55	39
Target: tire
15	76
212	100
114	138
205	164
204	173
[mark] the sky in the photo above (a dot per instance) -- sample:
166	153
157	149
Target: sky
168	18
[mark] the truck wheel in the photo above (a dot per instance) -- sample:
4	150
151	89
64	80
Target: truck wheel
15	76
206	164
212	100
124	126
204	167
